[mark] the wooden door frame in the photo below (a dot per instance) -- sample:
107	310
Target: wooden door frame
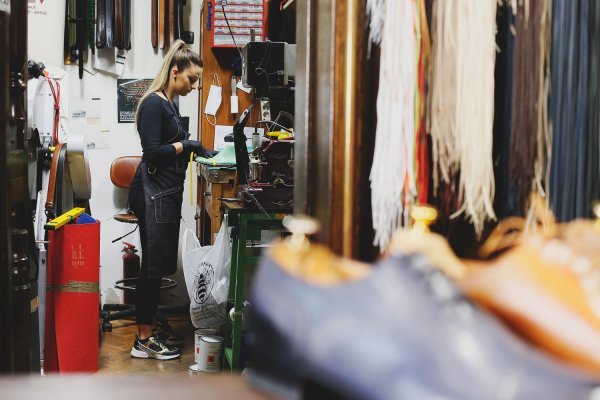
334	110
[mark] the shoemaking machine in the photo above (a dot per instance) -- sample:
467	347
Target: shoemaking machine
18	261
34	164
266	175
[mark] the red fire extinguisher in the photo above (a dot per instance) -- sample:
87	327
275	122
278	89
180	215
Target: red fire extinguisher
131	269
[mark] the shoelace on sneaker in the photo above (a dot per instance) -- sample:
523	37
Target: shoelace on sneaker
153	340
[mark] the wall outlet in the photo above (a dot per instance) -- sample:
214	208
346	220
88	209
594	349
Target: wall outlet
265	110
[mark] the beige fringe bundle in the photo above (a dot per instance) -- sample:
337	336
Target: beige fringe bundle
462	102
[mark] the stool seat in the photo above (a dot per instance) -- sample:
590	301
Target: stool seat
127	218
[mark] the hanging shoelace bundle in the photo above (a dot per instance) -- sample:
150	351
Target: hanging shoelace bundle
572	165
393	27
442	125
529	130
462	102
592	181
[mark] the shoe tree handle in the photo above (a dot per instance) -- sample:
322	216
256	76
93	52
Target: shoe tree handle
300	226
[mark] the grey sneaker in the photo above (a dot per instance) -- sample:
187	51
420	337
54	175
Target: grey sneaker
153	348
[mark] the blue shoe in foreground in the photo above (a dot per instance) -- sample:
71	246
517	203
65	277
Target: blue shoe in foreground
402	331
153	348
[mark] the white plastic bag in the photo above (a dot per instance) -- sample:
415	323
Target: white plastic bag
206	270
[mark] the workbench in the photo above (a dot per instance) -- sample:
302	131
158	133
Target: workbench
213	183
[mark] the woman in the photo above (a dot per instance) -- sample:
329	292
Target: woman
156	192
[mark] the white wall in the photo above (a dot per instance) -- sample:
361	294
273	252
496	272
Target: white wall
46	29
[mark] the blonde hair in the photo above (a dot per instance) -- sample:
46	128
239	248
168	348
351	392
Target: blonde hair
178	55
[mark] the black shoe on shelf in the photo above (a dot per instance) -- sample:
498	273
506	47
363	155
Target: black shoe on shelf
154	348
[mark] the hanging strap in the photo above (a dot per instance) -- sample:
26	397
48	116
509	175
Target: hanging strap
82	33
154	23
171	22
127	24
178	18
108	20
162	9
91	25
53	204
101	24
70	31
119	39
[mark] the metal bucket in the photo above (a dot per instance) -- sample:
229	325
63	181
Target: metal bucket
209	353
198	333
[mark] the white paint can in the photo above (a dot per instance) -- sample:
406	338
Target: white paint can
210	353
198	333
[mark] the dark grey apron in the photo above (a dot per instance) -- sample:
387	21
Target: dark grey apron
163	197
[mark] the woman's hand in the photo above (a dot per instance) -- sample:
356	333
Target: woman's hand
193	146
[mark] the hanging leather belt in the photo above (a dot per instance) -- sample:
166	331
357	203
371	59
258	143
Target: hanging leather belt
82	18
70	32
53	204
172	22
127	24
119	40
101	24
154	23
91	25
162	9
178	18
108	21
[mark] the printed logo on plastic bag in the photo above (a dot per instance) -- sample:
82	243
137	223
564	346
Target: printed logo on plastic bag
203	282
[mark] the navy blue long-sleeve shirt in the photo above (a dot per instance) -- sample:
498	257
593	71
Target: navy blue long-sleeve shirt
157	126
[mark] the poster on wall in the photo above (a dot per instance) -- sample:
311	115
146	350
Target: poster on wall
129	93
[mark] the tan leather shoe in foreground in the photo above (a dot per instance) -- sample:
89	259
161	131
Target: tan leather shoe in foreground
546	288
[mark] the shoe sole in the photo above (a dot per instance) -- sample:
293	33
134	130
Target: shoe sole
142	354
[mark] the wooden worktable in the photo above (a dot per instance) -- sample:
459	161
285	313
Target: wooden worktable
213	185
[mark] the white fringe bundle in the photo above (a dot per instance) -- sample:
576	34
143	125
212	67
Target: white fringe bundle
393	26
462	113
442	119
476	50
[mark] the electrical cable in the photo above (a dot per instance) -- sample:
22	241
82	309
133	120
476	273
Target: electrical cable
223	3
114	215
56	97
127	234
259	70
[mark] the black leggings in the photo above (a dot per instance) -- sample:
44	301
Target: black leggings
148	288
